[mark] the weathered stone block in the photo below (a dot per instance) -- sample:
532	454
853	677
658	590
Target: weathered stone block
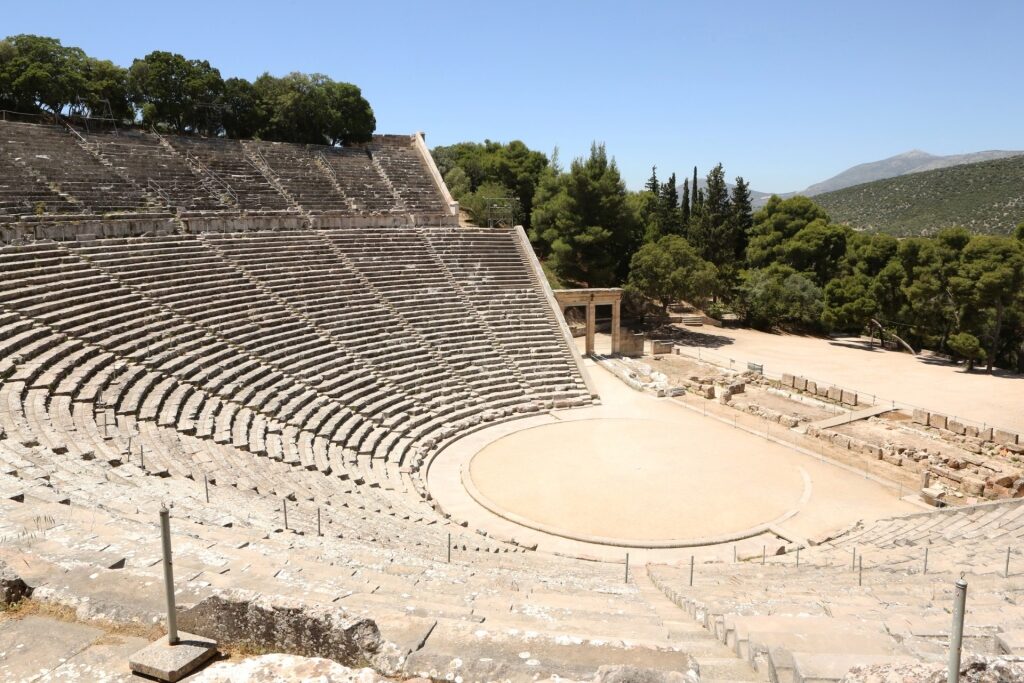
937	421
821	390
955	426
245	618
787	380
1004	437
812	387
835	394
920	416
12	589
849	397
985	434
800	383
841	440
971	430
972	486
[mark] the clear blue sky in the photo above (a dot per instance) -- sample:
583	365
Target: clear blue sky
784	93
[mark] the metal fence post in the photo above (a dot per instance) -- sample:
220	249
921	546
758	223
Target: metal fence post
284	509
691	570
798	557
925	571
318	531
449	548
764	552
206	486
860	570
627	569
165	537
956	633
1006	570
853	560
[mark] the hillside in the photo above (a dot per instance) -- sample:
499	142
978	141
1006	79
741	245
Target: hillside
986	196
913	161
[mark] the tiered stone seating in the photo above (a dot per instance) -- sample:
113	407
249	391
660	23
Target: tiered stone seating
229	163
49	171
23	195
816	620
54	154
364	182
308	183
402	165
142	156
492	274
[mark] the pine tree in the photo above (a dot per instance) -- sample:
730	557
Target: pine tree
685	210
709	232
670	207
742	217
652	185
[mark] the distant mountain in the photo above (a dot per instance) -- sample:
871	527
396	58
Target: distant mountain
983	196
914	161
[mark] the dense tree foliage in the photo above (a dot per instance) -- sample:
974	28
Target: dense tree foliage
583	222
670	270
474	172
167	91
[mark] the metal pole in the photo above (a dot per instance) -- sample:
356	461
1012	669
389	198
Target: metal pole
142	456
956	634
318	532
734	554
449	548
853	560
860	570
1006	571
798	557
691	570
925	560
165	537
206	485
284	508
764	552
627	568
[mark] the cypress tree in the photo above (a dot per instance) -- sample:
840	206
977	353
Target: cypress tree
693	191
686	202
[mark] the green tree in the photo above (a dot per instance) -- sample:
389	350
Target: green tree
778	296
710	233
685	207
583	220
107	92
513	165
965	345
177	93
39	74
741	217
670	270
314	109
243	115
778	221
652	185
991	280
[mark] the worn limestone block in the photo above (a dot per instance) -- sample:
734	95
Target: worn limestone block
985	434
800	383
1003	437
787	380
173	662
841	440
821	390
971	430
849	397
972	486
920	417
633	674
812	387
283	625
279	667
956	426
12	589
937	421
835	394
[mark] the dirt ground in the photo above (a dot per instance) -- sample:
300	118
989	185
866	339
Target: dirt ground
930	383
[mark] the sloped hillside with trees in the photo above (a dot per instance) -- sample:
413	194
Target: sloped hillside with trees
984	197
